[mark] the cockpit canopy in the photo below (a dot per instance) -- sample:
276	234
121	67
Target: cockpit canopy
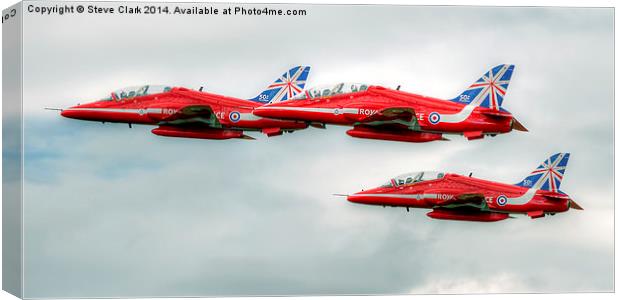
414	177
137	91
330	90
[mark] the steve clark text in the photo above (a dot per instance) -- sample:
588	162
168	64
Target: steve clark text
163	9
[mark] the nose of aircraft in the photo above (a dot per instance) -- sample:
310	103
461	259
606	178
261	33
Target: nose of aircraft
88	111
73	112
350	198
360	197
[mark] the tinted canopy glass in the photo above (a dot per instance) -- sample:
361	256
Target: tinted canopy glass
414	177
330	90
137	91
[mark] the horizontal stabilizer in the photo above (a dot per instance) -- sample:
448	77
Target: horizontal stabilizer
557	196
496	113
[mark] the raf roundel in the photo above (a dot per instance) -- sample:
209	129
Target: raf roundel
502	200
434	118
234	116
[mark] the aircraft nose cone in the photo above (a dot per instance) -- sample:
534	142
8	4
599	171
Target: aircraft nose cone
67	113
72	113
355	198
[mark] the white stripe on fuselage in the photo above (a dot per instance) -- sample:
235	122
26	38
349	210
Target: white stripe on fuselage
118	110
249	117
444	118
335	111
142	111
401	196
458	117
525	198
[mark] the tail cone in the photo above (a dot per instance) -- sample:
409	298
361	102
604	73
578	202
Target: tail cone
572	204
516	125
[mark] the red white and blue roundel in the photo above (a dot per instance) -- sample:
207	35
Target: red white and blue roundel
434	118
234	116
501	200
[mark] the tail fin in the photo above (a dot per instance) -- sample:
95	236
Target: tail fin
548	176
489	90
285	87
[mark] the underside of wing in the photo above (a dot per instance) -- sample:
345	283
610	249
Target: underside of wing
393	124
197	122
472	199
404	116
465	207
193	114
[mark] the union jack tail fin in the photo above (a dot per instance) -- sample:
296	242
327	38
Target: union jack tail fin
488	91
548	176
289	85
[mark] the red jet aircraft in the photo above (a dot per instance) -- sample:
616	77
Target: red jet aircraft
456	197
183	112
377	112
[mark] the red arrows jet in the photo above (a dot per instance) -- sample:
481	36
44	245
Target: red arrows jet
183	112
377	112
456	197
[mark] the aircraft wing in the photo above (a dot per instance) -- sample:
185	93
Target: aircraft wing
393	115
198	122
466	207
469	199
193	114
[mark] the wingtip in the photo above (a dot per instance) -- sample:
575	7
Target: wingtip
247	137
340	195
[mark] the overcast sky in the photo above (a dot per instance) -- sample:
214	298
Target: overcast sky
113	211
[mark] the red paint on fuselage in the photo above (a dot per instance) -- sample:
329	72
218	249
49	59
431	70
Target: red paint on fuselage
155	108
437	192
349	109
